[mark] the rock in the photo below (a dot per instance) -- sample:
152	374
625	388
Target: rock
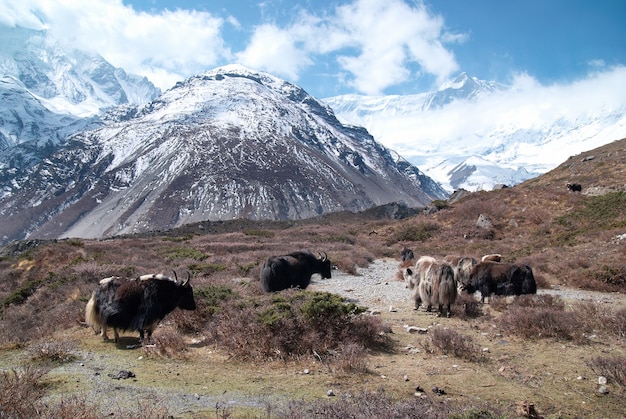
603	390
306	371
392	309
438	391
330	393
123	374
602	380
484	222
415	329
406	377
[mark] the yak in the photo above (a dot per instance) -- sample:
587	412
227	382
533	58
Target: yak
136	304
293	270
407	254
433	284
574	187
501	279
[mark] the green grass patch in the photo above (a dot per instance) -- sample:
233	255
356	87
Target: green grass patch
214	296
181	252
259	233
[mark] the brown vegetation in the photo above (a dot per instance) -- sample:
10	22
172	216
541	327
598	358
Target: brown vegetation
569	239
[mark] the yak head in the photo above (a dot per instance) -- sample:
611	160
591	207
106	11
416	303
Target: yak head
186	300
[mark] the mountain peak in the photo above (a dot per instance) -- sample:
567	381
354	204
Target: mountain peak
459	82
228	143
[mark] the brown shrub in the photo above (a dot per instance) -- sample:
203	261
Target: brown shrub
614	369
166	343
75	407
466	307
350	358
365	405
450	342
52	351
20	390
293	323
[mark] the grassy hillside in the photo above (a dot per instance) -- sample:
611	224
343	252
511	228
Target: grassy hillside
570	239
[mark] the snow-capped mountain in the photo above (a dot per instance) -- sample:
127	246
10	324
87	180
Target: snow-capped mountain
229	143
49	91
474	134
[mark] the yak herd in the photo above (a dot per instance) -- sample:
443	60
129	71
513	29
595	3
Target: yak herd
139	304
436	283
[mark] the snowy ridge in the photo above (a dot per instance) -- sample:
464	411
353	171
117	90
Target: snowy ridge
443	132
50	92
228	143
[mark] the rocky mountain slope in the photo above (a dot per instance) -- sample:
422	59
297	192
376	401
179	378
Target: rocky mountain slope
229	143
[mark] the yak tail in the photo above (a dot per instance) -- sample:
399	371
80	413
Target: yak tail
92	317
444	285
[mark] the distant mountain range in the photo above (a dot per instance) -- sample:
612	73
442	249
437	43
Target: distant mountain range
49	92
229	143
87	150
478	156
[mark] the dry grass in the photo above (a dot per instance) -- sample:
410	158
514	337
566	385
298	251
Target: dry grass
20	390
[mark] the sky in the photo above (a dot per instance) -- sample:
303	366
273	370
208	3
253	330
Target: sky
369	47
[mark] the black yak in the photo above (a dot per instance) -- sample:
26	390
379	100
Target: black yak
136	304
501	279
293	270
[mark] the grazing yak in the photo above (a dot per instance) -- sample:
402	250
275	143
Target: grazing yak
433	283
293	270
136	304
407	254
494	257
501	279
574	187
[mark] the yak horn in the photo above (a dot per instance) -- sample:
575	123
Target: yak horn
175	276
188	278
323	257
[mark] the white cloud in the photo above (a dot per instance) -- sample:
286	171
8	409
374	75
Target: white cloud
390	36
275	50
165	46
378	42
526	105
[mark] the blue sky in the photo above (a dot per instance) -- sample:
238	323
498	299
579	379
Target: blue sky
338	47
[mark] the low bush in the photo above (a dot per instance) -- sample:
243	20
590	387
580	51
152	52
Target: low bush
365	405
166	343
76	407
451	342
415	232
466	307
294	323
614	369
537	316
20	390
52	351
539	322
